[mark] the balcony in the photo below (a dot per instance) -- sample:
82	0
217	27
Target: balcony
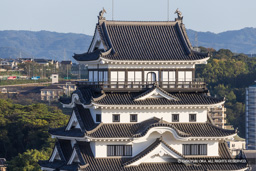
170	86
216	116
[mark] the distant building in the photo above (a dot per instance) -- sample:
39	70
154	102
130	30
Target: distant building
44	62
250	112
66	63
55	78
236	145
24	60
218	116
3	164
12	64
52	93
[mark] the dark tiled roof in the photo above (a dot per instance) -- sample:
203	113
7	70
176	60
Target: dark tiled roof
76	132
88	56
113	164
184	99
54	165
87	95
144	41
130	130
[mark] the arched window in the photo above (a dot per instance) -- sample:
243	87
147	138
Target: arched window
151	77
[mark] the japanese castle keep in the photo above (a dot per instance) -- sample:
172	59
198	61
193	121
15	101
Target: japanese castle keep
142	107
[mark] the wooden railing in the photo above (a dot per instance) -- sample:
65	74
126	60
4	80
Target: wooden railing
145	84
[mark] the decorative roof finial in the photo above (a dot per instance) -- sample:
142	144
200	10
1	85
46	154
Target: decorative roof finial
100	17
179	14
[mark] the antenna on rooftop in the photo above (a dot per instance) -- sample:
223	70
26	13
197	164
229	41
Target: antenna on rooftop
112	9
196	40
196	43
168	10
64	54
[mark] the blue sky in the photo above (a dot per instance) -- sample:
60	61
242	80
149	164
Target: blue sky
80	16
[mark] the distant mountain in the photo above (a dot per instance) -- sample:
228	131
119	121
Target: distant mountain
238	41
42	44
53	45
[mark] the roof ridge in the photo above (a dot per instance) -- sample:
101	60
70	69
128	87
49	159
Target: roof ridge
140	22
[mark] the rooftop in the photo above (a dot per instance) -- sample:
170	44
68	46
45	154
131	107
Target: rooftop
142	41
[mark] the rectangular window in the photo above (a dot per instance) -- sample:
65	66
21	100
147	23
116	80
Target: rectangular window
105	76
168	76
181	76
121	76
133	117
119	150
194	149
95	75
192	117
116	118
171	75
165	76
91	76
175	117
131	76
98	117
113	75
101	75
188	75
138	76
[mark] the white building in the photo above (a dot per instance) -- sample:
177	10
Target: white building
142	108
236	145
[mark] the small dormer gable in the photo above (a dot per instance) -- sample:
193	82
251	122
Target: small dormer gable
96	43
73	122
158	152
76	156
155	92
55	155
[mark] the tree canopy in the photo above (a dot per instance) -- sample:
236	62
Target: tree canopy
24	132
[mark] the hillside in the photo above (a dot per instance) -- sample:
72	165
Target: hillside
42	44
45	44
238	41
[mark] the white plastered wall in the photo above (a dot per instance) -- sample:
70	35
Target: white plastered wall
94	112
145	114
101	147
142	143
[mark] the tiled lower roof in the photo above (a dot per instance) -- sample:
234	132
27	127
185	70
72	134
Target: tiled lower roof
119	164
88	95
184	99
130	130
